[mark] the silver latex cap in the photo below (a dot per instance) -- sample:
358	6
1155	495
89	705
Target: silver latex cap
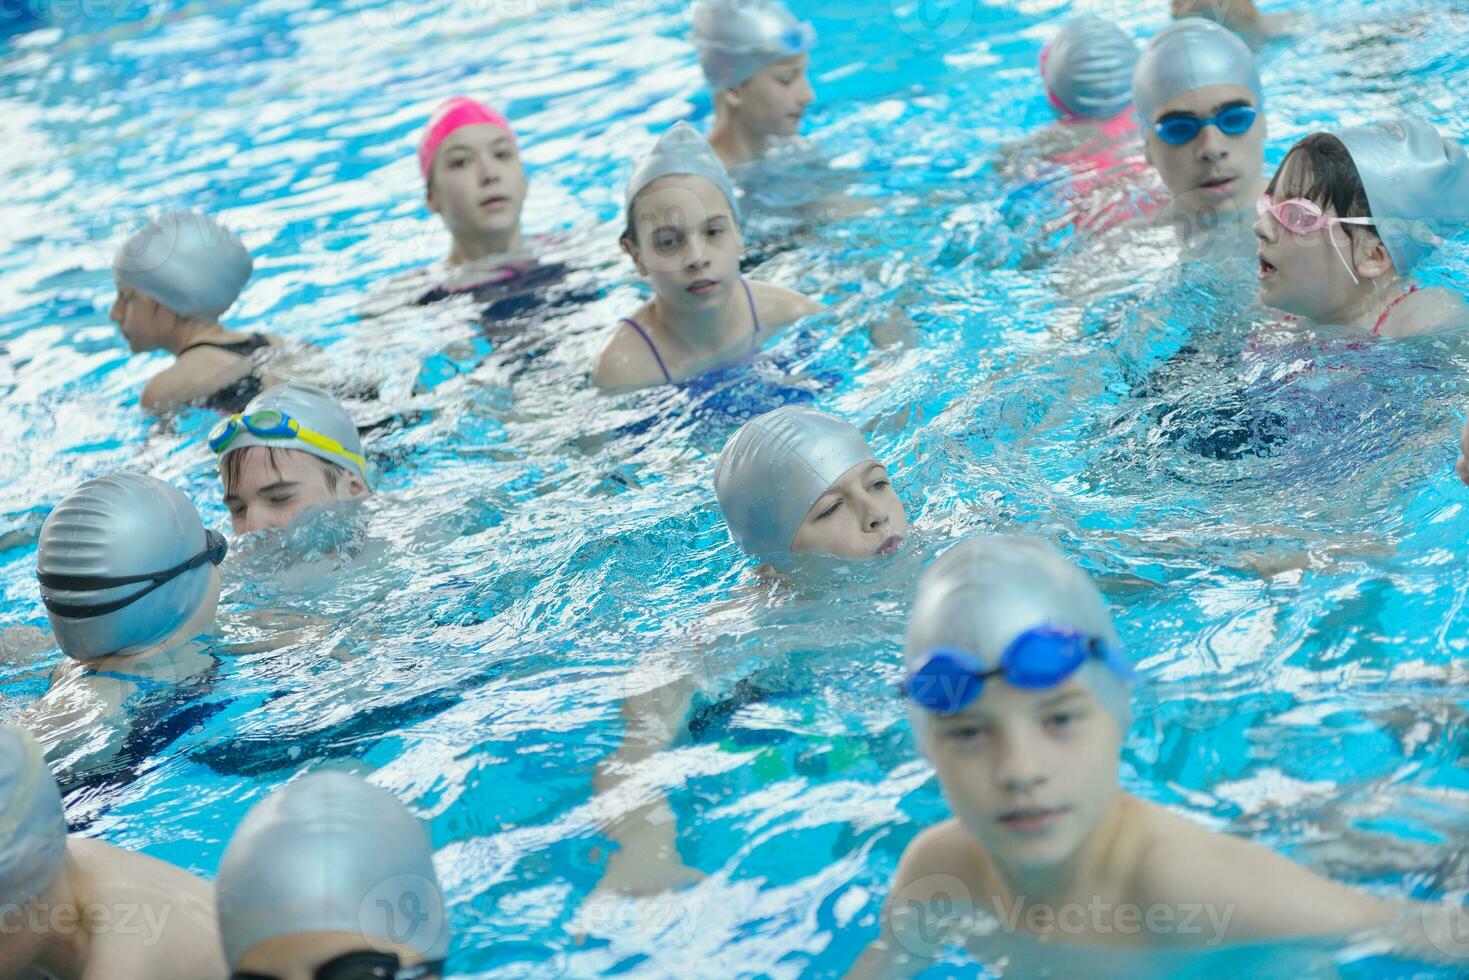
985	591
32	826
120	525
330	852
1087	67
775	467
681	150
315	409
1192	53
737	38
1417	184
188	262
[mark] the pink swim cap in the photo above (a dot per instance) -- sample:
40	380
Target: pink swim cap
451	115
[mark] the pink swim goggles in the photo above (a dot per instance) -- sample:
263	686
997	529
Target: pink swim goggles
1301	216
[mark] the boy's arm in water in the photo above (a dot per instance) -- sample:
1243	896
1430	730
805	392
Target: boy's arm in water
170	932
931	877
1245	891
1238	15
646	861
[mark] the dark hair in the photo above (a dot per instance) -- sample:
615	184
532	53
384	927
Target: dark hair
229	470
1335	181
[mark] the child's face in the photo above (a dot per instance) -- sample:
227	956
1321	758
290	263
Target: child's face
687	242
773	101
1212	170
859	516
143	323
1028	773
1307	275
273	487
477	182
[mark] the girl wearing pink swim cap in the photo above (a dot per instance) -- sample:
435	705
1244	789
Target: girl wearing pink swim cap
473	179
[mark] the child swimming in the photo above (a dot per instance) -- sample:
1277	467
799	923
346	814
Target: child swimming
755	55
129	576
175	278
683	233
792	482
292	447
1198	96
78	909
474	180
799	481
1086	70
330	876
1020	698
1347	217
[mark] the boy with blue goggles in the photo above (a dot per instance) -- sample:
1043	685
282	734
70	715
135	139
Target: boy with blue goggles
1020	698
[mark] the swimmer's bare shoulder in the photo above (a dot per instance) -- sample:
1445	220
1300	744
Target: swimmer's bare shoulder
1428	310
779	307
171	933
1237	890
626	362
943	867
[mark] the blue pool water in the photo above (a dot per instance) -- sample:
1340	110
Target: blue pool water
1274	518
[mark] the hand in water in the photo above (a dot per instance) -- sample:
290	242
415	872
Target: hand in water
1238	15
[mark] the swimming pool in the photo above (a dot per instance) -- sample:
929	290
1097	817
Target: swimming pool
1274	520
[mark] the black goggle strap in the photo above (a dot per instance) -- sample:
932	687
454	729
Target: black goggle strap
215	548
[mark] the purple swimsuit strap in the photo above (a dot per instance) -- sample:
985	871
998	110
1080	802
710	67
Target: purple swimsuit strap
749	296
654	348
649	341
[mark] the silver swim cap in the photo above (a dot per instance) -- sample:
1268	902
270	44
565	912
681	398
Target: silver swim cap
775	467
188	262
330	852
1192	53
1417	182
681	150
737	38
316	410
985	591
32	826
1088	68
101	560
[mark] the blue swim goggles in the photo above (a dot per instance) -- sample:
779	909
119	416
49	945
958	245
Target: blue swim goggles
950	680
1179	129
215	548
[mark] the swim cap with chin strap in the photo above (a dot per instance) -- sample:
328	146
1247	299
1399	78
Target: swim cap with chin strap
453	114
737	38
32	825
773	469
1189	54
123	526
330	852
985	592
186	261
1417	184
1087	68
314	409
681	150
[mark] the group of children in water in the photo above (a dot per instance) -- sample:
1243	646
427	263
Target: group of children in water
1017	682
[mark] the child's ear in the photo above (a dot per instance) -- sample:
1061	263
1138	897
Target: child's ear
631	248
428	198
356	487
732	98
1371	257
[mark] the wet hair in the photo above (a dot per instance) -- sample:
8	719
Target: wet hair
1335	181
229	469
